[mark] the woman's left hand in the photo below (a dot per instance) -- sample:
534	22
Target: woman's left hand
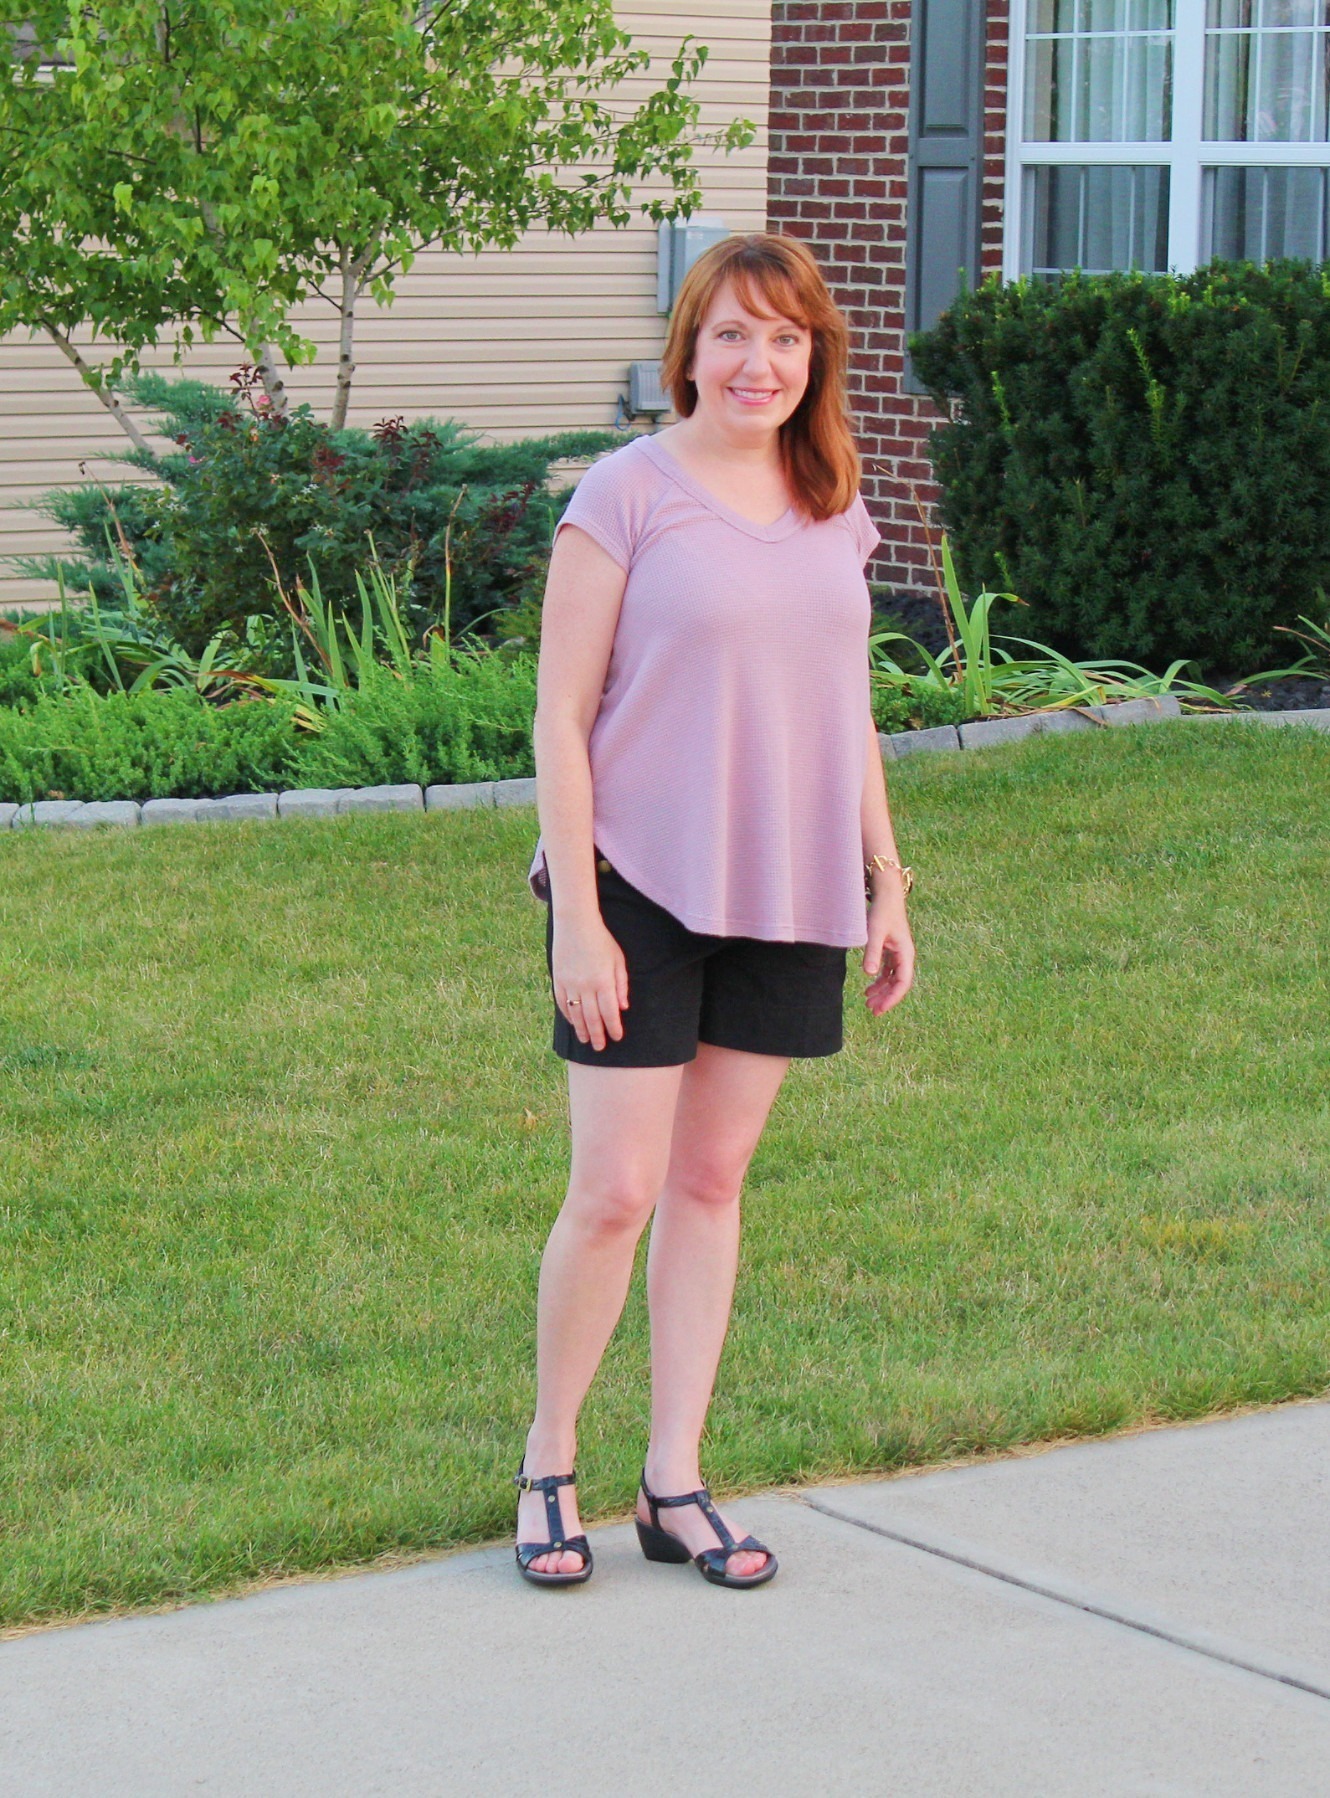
888	953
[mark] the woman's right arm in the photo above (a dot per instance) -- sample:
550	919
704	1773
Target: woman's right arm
583	593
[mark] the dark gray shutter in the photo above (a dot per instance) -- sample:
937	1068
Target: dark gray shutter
946	157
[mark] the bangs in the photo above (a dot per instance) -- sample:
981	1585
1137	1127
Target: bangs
770	292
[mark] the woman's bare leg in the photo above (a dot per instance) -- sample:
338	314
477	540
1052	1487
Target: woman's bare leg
724	1099
622	1120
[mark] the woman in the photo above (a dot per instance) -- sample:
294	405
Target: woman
710	790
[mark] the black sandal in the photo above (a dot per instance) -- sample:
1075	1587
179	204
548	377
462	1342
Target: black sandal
526	1552
660	1545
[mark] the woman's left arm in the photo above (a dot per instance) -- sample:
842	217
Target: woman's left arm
889	952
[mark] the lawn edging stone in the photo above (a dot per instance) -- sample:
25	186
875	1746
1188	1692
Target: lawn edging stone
45	811
310	802
170	811
105	811
329	802
234	806
1317	717
915	742
515	792
403	797
445	798
1138	711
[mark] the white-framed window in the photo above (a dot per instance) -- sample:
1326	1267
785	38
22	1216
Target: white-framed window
1156	134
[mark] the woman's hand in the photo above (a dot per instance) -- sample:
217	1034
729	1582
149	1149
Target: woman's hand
888	953
590	978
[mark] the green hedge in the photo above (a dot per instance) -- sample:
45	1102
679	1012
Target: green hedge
1144	459
472	722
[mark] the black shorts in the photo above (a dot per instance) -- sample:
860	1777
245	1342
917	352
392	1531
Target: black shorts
737	992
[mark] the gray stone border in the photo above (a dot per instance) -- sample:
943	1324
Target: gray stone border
298	802
985	731
330	802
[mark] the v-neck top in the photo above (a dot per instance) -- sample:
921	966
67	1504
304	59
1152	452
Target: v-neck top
728	752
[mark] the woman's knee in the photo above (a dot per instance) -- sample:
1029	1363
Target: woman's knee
708	1181
612	1202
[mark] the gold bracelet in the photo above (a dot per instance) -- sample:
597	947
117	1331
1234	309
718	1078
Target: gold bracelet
885	861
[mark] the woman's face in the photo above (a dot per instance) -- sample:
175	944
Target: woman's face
750	372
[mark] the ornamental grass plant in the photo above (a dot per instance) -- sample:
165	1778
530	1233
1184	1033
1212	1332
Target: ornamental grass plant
975	677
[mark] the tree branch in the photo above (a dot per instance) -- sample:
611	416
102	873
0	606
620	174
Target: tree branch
107	395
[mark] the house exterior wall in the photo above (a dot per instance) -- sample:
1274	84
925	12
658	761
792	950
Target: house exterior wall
838	167
513	343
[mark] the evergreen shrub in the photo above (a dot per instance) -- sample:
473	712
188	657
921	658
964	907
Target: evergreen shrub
161	743
19	686
1144	459
470	721
917	705
429	493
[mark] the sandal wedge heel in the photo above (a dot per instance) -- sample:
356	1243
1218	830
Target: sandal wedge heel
659	1545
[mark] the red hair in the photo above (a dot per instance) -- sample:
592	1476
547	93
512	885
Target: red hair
777	277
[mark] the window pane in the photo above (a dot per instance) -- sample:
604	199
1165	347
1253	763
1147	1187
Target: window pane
1099	71
1230	13
1102	15
1052	15
1253	215
1285	101
1150	92
1267	68
1304	13
1095	218
1047	114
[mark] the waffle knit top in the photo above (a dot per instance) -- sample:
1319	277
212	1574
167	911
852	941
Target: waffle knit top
728	754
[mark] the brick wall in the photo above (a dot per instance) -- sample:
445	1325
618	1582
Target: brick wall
837	178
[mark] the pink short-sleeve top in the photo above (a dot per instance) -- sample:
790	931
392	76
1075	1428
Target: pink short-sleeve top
729	751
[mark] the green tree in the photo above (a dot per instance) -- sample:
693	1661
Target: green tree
184	168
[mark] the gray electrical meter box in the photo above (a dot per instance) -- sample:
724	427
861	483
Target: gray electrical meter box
679	245
645	393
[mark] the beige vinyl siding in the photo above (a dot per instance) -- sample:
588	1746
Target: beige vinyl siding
512	343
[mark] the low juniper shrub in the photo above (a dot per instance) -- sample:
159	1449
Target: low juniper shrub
19	686
916	705
157	744
469	722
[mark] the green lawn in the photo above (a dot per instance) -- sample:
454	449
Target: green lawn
283	1133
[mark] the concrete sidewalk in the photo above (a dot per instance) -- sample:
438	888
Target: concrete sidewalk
1141	1615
